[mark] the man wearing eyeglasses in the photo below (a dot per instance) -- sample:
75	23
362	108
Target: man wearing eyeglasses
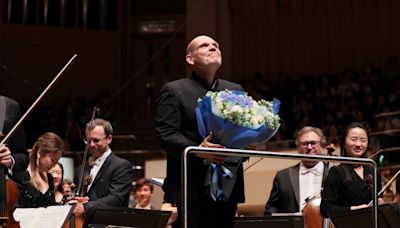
293	186
111	175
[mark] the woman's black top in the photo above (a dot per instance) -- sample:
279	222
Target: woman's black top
29	196
343	188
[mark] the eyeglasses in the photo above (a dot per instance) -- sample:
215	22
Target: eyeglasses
313	144
94	140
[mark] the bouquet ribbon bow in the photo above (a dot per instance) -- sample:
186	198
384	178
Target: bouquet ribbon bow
221	178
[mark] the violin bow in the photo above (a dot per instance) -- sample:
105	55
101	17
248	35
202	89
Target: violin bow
23	117
386	185
82	171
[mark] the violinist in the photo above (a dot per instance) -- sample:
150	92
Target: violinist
347	186
35	184
294	185
13	155
111	175
58	173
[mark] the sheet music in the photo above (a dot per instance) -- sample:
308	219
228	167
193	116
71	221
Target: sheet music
50	217
287	214
157	181
26	216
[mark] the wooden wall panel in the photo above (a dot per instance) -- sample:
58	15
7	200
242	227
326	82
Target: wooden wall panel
271	26
321	36
394	26
358	25
34	56
384	32
285	34
309	37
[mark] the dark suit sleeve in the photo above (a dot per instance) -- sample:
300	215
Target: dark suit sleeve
168	123
119	188
17	143
272	205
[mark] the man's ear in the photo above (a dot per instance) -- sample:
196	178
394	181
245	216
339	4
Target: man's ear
189	59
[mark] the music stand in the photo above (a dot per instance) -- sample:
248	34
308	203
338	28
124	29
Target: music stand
128	217
387	218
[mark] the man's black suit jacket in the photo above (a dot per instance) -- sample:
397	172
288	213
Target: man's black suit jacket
285	193
176	129
111	187
17	143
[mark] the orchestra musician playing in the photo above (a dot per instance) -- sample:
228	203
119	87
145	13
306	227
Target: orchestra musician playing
111	175
294	185
35	184
348	186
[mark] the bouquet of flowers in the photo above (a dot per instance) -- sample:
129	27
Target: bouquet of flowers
236	120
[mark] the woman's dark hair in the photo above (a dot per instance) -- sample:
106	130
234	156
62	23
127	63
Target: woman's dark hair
343	151
60	187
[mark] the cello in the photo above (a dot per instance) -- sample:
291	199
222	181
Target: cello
8	199
311	211
8	189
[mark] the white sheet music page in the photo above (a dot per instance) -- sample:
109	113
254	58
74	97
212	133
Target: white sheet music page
26	216
50	217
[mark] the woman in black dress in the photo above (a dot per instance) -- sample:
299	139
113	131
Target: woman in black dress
348	186
35	184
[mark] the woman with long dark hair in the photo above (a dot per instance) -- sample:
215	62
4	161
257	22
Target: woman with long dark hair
349	186
35	184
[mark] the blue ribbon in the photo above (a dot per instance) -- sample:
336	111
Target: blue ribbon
220	180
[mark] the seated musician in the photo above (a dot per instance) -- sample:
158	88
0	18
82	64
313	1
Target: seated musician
58	173
143	192
35	184
111	175
349	186
294	185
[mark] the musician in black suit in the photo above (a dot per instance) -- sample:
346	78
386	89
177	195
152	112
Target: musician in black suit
111	175
13	155
294	185
176	129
